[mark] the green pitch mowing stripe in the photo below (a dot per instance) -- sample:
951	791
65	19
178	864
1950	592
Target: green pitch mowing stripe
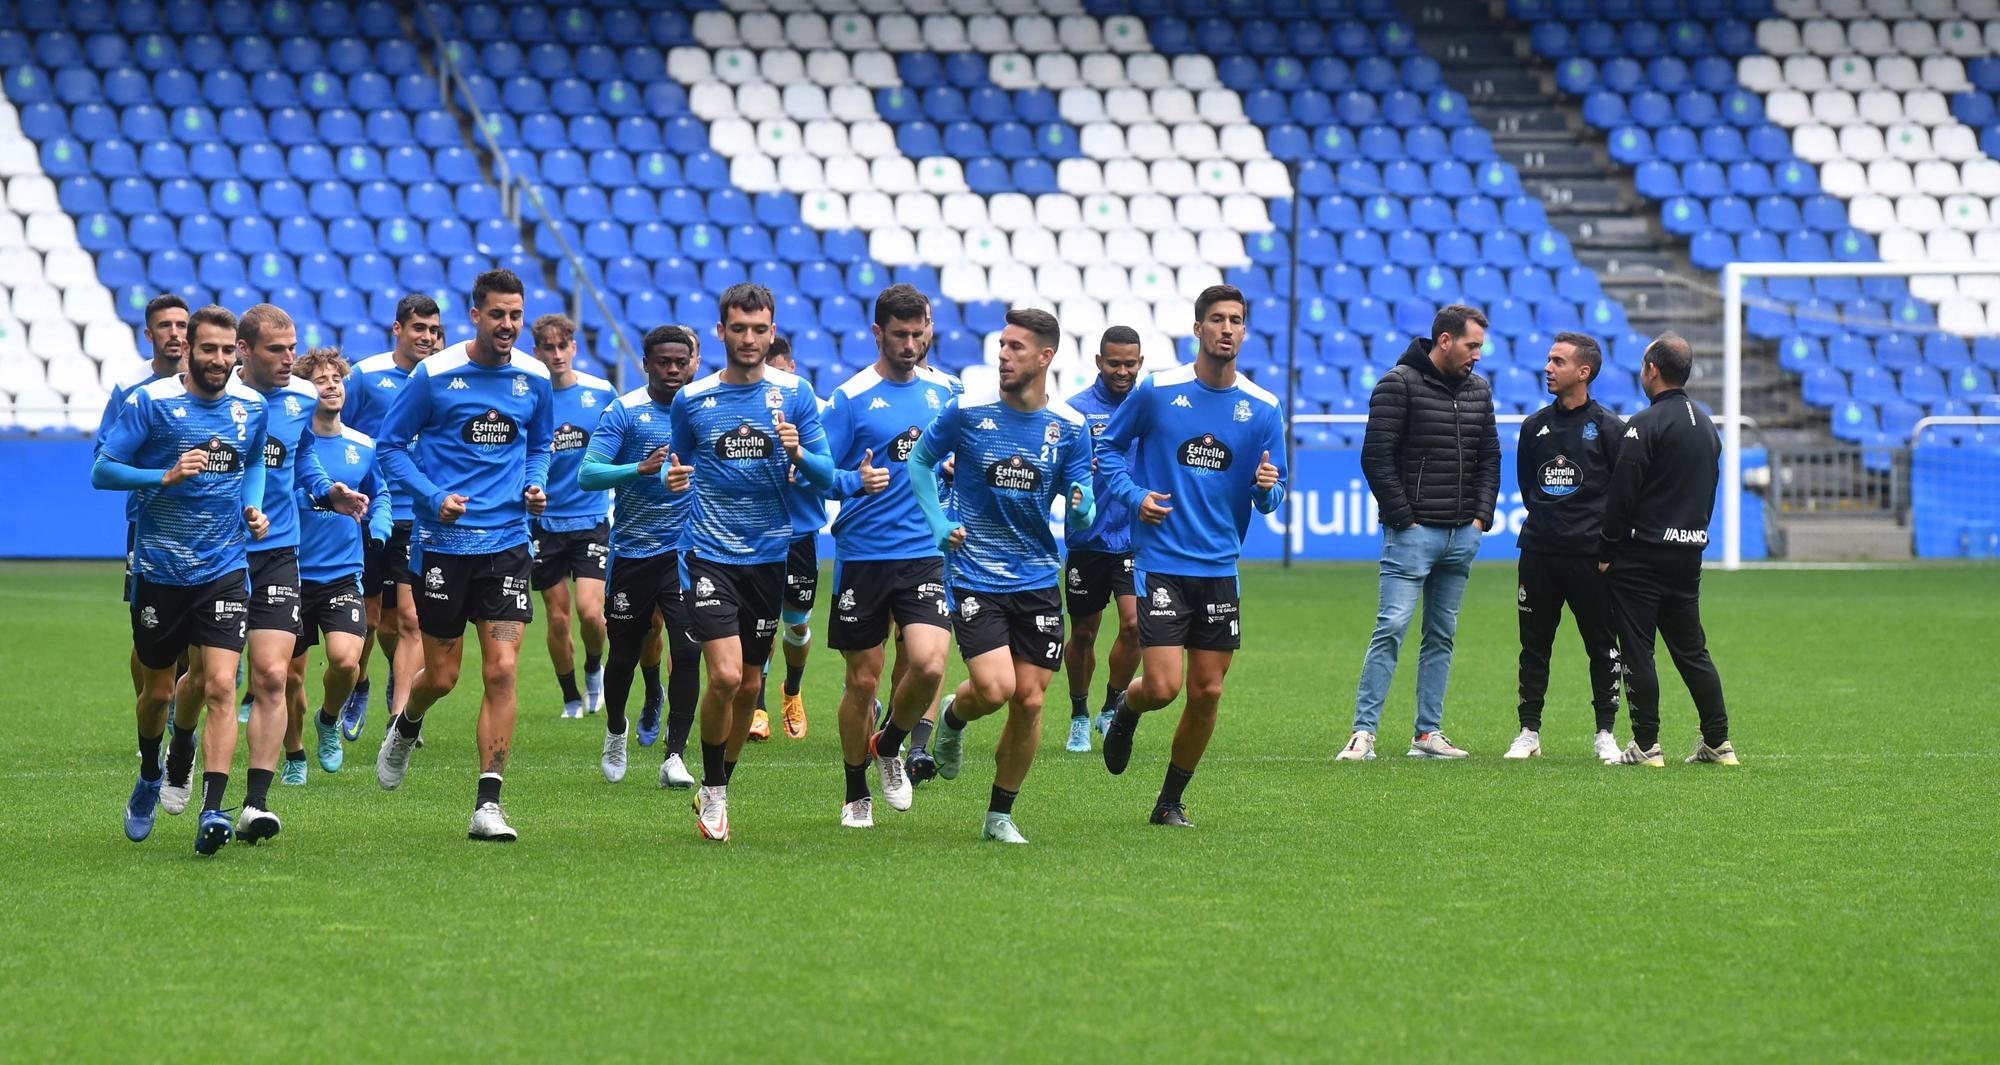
1832	899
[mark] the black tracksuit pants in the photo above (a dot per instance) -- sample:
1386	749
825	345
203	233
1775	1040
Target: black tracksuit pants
1659	591
1548	581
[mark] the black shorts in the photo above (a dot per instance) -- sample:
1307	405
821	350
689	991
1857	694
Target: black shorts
560	556
383	568
724	600
131	549
1198	613
459	588
329	606
1028	623
638	587
274	590
802	576
907	591
168	619
1095	578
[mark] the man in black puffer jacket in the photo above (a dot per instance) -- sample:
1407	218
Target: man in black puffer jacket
1432	458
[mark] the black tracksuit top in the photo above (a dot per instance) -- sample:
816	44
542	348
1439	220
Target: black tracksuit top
1563	465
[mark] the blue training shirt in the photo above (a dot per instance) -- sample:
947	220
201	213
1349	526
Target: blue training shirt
649	519
330	544
138	376
372	387
1011	465
1200	445
192	532
572	508
288	454
477	431
741	472
870	412
1111	531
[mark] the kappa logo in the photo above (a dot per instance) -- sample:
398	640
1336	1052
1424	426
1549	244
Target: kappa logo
353	455
704	588
969	608
1590	430
520	384
646	416
149	618
434	579
384	382
878	403
1182	401
708	403
180	412
1162	599
847	599
1632	433
1242	411
987	425
458	384
1543	433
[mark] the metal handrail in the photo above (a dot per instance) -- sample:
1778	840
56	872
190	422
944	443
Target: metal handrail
1925	422
514	188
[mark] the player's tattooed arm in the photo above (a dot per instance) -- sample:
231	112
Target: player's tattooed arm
507	631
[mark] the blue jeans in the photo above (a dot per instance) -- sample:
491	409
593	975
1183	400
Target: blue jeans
1420	560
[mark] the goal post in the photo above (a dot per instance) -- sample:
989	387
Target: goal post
1733	277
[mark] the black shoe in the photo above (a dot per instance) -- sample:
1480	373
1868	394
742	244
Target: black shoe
1171	814
1118	739
920	766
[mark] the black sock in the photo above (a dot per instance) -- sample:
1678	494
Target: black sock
714	767
890	739
489	790
568	682
211	790
296	756
652	676
728	771
920	737
407	728
1177	782
1002	801
592	663
763	681
328	719
149	758
618	678
857	781
257	790
683	699
1079	706
793	675
1111	695
180	754
953	722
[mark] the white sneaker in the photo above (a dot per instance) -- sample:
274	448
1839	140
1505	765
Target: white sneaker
895	783
858	814
1527	745
1703	753
175	799
593	691
674	773
1360	748
614	757
1634	755
1435	745
572	709
1606	746
489	823
393	760
254	824
711	807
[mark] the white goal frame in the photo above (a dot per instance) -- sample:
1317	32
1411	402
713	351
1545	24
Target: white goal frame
1733	276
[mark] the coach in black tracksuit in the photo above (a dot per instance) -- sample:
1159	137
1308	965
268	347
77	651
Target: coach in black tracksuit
1655	526
1563	463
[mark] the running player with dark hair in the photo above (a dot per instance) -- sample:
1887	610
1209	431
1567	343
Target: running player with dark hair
188	447
167	334
1191	483
572	538
808	508
481	418
1019	450
1100	551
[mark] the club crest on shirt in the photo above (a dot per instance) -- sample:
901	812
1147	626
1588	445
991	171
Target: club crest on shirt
1052	434
1242	412
353	455
589	400
774	398
292	406
238	413
1590	430
520	385
931	397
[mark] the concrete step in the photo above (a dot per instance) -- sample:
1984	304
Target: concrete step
1819	539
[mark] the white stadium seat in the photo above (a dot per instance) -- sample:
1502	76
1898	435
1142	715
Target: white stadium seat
944	33
1080	105
1080	33
1127	106
825	138
1057	211
1104	213
89	302
1149	71
917	210
1880	107
964	211
876	70
1937	177
1056	70
1919	212
1833	107
1245	213
872	210
1851	72
1219	106
851	103
872	139
805	101
1869	37
1760	73
897	33
1863	144
753	172
848	173
1806	72
1124	33
1822	37
962	282
802	174
1102	70
1898	72
1197	211
1890	177
1172	176
1219	177
30	193
1101	280
1778	37
1126	177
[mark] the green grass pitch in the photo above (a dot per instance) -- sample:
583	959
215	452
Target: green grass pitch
1831	900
